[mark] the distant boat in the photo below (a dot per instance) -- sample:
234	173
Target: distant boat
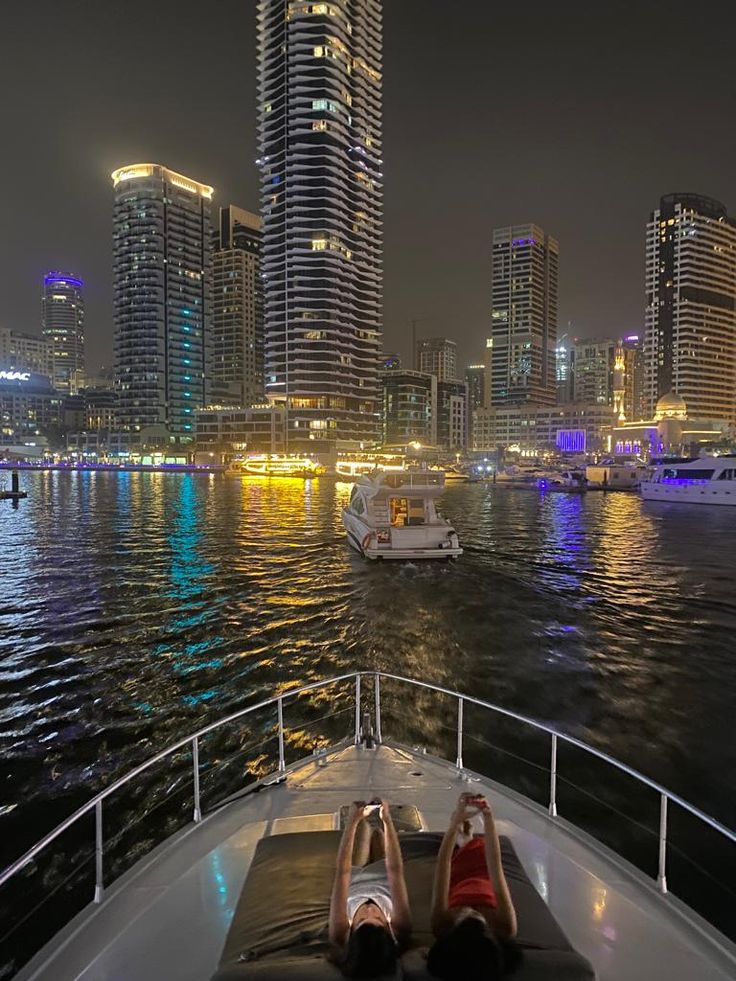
275	465
392	515
455	474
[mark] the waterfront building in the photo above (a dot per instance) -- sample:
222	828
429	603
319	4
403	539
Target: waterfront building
437	356
231	430
631	353
161	294
320	132
62	317
670	430
452	415
100	408
475	379
592	365
532	429
563	370
29	407
524	316
409	407
20	351
690	328
237	308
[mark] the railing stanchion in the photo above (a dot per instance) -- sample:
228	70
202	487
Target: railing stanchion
282	760
553	778
459	761
662	873
195	773
357	709
99	879
379	739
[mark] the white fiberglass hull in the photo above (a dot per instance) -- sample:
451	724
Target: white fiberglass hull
421	542
700	493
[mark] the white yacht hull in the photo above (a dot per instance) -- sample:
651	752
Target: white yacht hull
421	542
705	493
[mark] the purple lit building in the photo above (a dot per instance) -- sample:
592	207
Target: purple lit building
62	307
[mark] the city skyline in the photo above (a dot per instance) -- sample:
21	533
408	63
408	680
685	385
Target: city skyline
589	188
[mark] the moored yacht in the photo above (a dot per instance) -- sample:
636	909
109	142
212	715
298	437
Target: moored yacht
392	515
275	465
707	480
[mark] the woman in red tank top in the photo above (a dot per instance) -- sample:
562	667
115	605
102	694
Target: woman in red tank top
473	916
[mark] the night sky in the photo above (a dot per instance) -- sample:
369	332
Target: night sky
576	115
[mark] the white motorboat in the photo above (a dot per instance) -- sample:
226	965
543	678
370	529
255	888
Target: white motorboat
707	480
392	515
215	896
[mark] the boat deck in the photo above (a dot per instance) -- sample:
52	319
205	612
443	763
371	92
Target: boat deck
167	918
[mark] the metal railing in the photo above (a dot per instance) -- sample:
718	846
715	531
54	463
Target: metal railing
192	741
665	795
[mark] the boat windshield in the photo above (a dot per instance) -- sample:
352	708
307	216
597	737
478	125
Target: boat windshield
407	511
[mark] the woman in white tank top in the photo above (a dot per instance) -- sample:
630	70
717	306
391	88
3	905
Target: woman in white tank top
369	909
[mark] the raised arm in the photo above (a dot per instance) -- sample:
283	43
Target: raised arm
503	918
441	888
339	926
397	883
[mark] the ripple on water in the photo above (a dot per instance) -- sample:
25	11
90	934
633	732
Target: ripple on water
136	606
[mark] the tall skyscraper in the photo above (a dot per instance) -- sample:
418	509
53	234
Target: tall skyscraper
475	379
322	204
690	327
237	308
632	357
437	356
524	316
161	284
592	363
563	369
62	314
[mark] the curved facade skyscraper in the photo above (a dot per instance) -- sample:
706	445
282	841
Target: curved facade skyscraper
320	128
161	294
62	310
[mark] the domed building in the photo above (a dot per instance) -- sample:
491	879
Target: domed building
670	432
671	406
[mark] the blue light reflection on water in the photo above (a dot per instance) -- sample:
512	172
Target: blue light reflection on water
135	606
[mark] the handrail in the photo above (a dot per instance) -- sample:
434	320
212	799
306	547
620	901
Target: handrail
630	771
193	741
16	866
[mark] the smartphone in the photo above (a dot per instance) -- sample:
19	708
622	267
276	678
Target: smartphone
370	808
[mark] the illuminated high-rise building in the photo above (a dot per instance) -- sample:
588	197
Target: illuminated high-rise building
20	351
237	308
437	356
161	282
320	130
524	316
62	313
690	327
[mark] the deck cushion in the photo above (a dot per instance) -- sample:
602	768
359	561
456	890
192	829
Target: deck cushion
279	930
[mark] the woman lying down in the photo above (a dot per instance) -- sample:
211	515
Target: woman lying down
369	910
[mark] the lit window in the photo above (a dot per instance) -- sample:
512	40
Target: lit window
319	125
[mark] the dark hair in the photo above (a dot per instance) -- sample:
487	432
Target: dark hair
471	952
371	952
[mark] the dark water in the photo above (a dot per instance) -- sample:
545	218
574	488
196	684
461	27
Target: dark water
133	607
